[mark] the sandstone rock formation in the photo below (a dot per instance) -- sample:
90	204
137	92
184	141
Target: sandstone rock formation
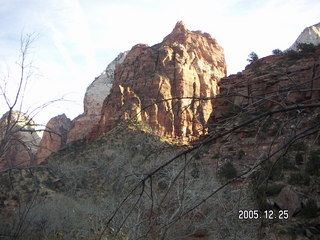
54	138
19	140
163	84
96	93
309	35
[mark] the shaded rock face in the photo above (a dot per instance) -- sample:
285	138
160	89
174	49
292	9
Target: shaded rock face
19	140
309	35
185	65
270	82
96	93
54	138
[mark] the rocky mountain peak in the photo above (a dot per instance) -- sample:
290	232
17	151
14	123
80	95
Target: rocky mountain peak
184	65
180	28
309	35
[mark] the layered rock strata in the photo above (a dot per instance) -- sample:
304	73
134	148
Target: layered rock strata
163	84
271	82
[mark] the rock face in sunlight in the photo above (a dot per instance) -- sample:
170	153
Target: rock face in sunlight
309	35
96	93
19	140
162	84
54	138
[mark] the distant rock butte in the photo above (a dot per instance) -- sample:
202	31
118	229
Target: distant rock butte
96	93
19	146
309	35
54	137
162	84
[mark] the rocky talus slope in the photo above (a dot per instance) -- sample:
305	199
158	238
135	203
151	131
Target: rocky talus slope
162	84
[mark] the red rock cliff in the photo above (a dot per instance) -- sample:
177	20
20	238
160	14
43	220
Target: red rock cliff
54	137
185	65
271	82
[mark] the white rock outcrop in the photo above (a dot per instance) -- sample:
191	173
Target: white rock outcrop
96	93
309	35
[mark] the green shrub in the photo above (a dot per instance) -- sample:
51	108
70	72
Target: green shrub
241	154
227	171
306	47
299	179
313	165
216	156
299	158
310	209
292	54
245	117
163	184
265	128
230	149
258	177
195	173
287	164
299	146
273	170
296	230
239	74
317	119
302	50
268	171
276	51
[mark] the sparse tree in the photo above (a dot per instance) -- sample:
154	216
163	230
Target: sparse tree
18	131
19	137
252	57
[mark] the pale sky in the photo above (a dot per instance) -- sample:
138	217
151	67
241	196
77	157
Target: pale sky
76	39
